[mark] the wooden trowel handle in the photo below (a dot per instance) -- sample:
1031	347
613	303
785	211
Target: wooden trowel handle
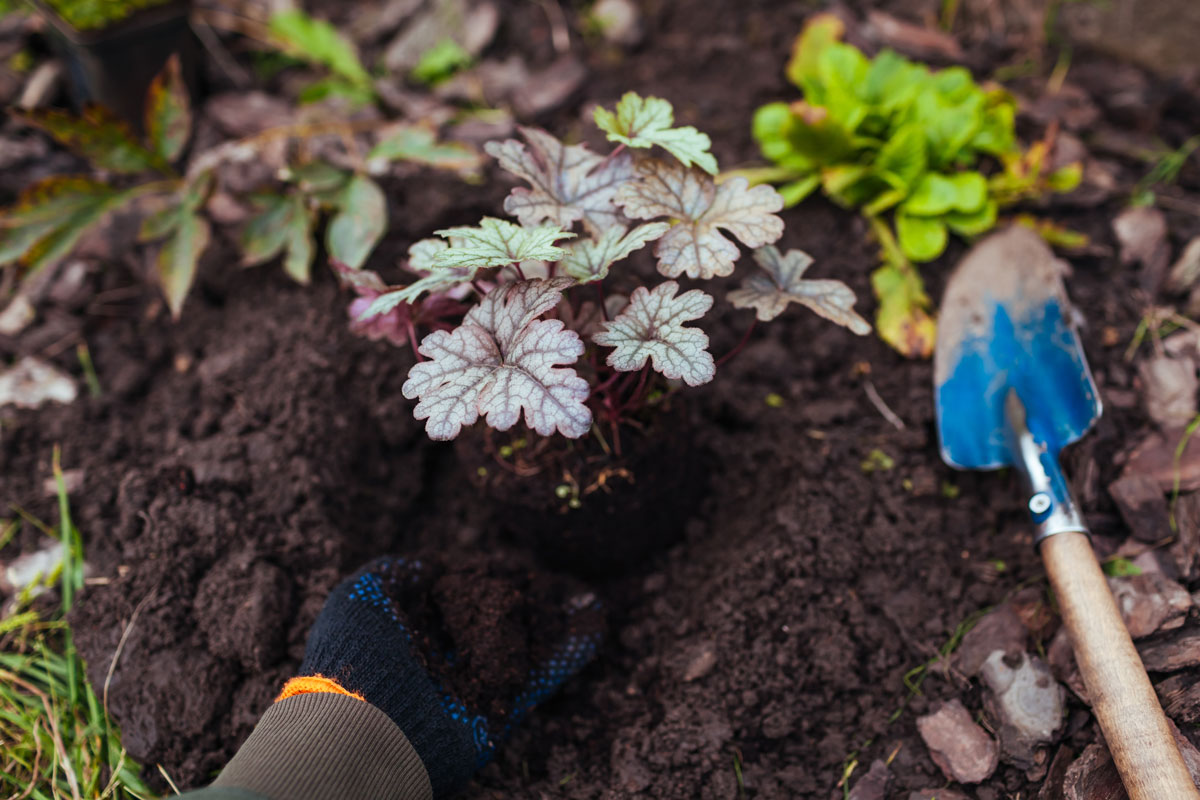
1135	728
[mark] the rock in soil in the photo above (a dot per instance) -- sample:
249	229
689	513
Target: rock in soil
1150	602
1143	507
1029	703
875	784
1142	234
999	630
32	382
1155	457
1169	389
961	749
1185	272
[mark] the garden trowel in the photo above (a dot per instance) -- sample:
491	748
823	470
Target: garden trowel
1012	388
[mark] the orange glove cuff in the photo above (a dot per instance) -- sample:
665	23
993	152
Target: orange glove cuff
314	684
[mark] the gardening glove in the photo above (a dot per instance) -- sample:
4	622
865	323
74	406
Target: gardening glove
371	713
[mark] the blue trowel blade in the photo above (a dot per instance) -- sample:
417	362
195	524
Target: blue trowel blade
1006	323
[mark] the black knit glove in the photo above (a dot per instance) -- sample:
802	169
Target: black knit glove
456	658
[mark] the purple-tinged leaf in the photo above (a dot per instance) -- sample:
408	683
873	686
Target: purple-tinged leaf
567	182
652	327
500	362
178	258
98	136
784	283
168	112
694	246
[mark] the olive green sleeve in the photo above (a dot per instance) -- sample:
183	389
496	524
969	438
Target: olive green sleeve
322	746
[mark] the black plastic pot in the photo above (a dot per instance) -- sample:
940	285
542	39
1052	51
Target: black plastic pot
113	66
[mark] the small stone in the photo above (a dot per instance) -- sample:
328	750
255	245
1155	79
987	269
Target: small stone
1142	234
912	40
16	316
961	749
701	662
23	571
1185	272
1028	702
620	21
72	481
549	88
874	785
999	630
1150	602
32	382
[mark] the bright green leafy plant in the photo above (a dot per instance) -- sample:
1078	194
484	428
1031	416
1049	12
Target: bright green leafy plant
909	147
145	174
524	322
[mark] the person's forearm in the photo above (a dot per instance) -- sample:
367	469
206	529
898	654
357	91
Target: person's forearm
322	746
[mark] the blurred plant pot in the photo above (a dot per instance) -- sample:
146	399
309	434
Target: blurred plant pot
114	65
579	506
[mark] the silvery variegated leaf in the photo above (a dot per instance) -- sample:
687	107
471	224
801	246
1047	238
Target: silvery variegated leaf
440	279
652	327
646	121
588	260
567	183
500	362
498	243
782	282
695	246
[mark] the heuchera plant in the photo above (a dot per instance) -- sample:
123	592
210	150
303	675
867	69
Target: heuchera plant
51	216
907	146
523	324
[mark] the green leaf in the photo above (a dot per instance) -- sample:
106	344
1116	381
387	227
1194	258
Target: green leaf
168	112
419	143
921	238
588	260
904	155
1065	179
903	319
98	136
300	242
318	42
852	185
441	62
359	222
819	32
974	223
796	191
178	258
265	234
938	194
51	216
336	86
319	177
644	122
497	243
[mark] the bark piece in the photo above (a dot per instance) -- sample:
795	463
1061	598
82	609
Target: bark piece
1000	630
1171	651
1169	389
961	749
1180	697
1142	505
1150	602
1142	234
874	785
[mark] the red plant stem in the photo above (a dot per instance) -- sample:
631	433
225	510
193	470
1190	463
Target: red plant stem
740	345
478	289
520	272
606	383
616	437
607	159
634	399
600	295
412	339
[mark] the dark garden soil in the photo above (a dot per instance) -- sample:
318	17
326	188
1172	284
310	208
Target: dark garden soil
242	461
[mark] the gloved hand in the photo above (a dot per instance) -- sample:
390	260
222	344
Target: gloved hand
387	636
